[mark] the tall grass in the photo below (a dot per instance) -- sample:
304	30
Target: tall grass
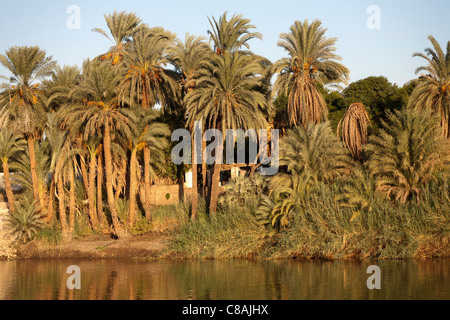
326	229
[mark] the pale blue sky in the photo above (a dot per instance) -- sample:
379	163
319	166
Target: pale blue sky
405	26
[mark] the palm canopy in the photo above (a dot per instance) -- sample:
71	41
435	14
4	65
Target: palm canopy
11	144
433	90
227	95
232	34
147	81
122	26
58	87
189	58
312	60
315	152
22	97
95	101
407	153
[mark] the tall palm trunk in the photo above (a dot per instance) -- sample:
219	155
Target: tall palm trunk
91	192
8	187
147	157
109	181
72	200
194	195
133	188
62	206
84	174
33	165
100	178
214	194
51	199
205	182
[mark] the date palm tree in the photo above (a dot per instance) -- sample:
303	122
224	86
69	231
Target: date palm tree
22	99
147	81
311	61
353	128
11	144
122	26
227	98
407	153
98	111
189	59
433	89
57	88
231	34
146	133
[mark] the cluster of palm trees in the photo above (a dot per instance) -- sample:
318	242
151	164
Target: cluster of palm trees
76	138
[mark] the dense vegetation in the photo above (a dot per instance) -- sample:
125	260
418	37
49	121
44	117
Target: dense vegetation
364	171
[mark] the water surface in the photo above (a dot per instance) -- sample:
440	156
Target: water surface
219	280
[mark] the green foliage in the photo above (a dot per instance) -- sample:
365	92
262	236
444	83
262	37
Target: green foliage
26	221
245	192
378	95
407	154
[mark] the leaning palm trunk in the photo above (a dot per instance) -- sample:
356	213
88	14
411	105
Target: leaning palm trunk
353	127
109	182
8	187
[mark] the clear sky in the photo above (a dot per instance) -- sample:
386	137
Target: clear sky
388	51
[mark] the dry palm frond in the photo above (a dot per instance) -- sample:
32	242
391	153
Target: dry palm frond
354	126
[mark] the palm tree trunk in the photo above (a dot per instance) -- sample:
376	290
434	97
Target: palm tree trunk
33	165
72	200
205	182
62	206
84	174
100	214
147	184
214	194
91	192
109	181
51	199
194	195
133	188
8	187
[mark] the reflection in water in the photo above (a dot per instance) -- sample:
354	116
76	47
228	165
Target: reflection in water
218	280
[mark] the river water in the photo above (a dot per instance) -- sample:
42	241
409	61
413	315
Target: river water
223	280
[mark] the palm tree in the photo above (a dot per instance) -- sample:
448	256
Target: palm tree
407	153
146	133
147	81
22	99
11	144
57	88
227	98
354	126
312	61
98	111
233	34
189	58
230	91
433	90
314	151
122	26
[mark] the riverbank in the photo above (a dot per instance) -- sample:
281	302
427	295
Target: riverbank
97	247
